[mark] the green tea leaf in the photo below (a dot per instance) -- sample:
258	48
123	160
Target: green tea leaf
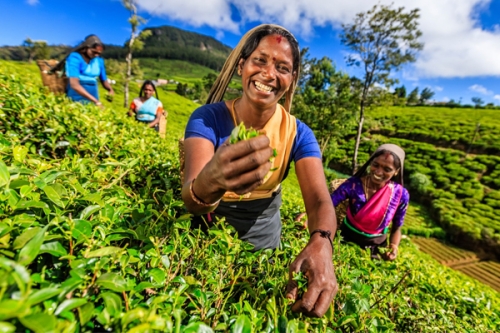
89	211
41	295
53	195
4	174
197	327
113	303
105	251
85	313
29	252
19	153
112	281
7	327
242	325
157	275
70	304
53	248
40	322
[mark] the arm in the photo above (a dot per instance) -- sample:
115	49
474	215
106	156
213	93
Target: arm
397	223
74	83
103	77
108	87
240	167
159	113
342	192
316	258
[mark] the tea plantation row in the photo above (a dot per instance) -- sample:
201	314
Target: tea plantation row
94	237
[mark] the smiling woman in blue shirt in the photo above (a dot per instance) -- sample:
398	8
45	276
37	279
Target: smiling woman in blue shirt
83	66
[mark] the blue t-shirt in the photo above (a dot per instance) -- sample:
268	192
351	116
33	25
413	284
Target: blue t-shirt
214	123
76	67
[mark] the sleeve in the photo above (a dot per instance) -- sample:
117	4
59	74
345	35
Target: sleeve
201	124
306	144
102	74
73	63
160	108
400	214
342	192
133	107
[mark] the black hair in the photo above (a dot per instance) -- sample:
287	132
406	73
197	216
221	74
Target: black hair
397	164
254	40
148	82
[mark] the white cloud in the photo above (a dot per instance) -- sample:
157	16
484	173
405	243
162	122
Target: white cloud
32	2
480	89
446	99
455	44
497	97
438	88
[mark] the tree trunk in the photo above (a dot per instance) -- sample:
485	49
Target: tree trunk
358	138
127	78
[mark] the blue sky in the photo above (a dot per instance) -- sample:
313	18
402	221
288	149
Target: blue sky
460	60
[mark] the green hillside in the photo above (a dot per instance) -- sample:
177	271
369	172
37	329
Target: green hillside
94	237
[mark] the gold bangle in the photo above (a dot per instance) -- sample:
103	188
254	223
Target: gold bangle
198	200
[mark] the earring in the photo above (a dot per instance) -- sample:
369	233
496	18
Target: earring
239	71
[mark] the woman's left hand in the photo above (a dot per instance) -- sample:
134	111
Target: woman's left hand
392	254
111	91
315	261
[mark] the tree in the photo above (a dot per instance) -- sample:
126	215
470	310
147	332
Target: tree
135	43
382	40
36	49
400	92
425	95
478	102
326	99
413	97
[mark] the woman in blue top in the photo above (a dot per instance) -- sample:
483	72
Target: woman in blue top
235	180
83	65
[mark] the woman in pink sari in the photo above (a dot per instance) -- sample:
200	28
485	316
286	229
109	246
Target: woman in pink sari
376	197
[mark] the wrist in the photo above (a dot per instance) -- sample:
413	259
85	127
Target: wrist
324	235
98	103
199	201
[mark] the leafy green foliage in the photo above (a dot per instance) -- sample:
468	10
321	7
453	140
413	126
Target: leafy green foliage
117	253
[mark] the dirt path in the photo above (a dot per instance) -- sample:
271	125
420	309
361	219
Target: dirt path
467	262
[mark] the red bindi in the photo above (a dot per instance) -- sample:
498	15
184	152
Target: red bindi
387	155
274	59
279	38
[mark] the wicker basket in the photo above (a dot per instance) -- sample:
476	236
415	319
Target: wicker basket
54	81
341	209
181	159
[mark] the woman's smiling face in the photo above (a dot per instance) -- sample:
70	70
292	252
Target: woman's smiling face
382	168
268	72
148	91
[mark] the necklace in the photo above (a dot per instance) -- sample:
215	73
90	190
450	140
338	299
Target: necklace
233	111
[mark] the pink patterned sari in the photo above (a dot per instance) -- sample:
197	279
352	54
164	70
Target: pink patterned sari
370	219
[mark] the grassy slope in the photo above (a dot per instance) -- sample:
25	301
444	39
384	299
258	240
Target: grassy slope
427	277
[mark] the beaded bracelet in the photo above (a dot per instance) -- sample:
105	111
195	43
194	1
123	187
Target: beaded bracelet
324	234
198	200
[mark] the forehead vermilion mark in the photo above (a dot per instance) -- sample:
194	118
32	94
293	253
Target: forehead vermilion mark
387	155
274	59
279	38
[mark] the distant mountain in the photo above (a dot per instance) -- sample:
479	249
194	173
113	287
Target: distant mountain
168	42
165	42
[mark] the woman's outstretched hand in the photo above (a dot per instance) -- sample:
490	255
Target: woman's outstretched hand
315	261
239	167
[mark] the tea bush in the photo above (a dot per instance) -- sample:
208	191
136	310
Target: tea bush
94	237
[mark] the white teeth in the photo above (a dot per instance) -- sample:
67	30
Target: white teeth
262	87
377	177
